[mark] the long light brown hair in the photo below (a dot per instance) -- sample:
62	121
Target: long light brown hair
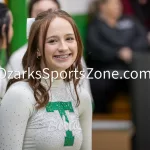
39	28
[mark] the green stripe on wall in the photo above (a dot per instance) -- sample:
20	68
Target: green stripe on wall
82	22
19	11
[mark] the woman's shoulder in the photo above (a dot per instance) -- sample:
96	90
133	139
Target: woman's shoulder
19	96
3	83
94	22
127	19
126	23
85	99
22	90
84	95
21	86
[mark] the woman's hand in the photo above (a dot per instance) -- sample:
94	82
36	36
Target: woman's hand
125	54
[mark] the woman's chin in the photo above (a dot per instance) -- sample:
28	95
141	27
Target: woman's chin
63	66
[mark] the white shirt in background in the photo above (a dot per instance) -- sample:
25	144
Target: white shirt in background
3	83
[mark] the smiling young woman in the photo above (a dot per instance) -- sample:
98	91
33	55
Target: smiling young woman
44	114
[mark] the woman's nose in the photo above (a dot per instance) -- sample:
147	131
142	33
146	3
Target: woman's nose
63	46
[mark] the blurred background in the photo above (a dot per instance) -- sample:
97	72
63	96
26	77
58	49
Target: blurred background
116	36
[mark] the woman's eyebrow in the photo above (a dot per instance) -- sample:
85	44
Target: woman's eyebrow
53	36
70	34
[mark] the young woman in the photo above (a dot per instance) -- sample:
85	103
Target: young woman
6	33
35	7
37	113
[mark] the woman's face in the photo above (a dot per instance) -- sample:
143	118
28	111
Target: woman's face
112	8
11	31
60	45
41	6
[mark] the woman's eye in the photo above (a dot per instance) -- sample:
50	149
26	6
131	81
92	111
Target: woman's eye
52	41
70	39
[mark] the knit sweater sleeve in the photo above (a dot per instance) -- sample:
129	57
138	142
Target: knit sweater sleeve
15	110
3	83
85	113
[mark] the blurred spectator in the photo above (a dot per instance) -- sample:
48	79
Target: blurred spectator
112	39
6	33
142	12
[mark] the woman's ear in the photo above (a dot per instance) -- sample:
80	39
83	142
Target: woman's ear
4	41
3	30
38	53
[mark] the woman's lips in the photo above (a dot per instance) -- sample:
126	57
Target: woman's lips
62	57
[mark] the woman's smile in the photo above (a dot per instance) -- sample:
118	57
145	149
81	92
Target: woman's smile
63	57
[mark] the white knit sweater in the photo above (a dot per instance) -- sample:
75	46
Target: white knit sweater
58	126
3	83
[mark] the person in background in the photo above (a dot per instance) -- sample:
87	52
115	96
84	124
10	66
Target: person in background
35	7
6	33
41	113
142	12
111	41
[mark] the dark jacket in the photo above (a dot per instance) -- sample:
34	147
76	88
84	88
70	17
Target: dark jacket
104	42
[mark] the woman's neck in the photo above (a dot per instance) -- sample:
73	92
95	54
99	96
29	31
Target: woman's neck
57	75
109	20
53	74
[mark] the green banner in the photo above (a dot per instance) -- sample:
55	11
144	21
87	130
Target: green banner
82	22
19	11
